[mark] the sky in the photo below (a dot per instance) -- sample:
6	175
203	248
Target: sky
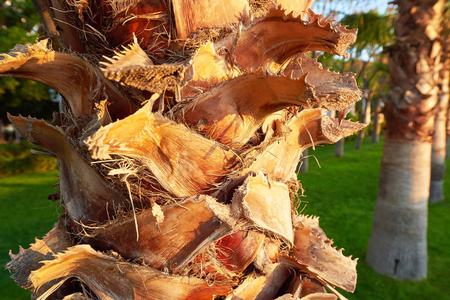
349	6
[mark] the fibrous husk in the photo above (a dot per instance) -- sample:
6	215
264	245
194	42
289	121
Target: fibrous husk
264	286
233	111
110	278
228	257
188	226
278	36
260	197
28	260
183	162
147	20
313	252
81	84
132	67
306	129
188	199
193	15
87	196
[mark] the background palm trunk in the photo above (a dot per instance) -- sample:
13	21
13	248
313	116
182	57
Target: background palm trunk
377	122
398	242
397	245
339	149
438	152
365	116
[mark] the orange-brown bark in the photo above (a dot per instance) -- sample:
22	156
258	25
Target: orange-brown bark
178	147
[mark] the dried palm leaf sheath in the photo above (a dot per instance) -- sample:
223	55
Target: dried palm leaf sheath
81	84
187	227
132	67
27	260
296	6
278	36
193	15
232	112
143	19
110	278
183	162
258	198
87	197
177	164
262	287
308	128
313	251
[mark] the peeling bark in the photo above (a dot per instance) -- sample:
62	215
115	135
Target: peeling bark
75	78
182	126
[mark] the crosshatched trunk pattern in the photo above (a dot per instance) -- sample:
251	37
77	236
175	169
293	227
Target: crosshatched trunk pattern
180	132
398	242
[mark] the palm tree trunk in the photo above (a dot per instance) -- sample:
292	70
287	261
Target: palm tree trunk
365	118
304	163
440	139
448	134
177	142
376	122
398	242
339	148
397	245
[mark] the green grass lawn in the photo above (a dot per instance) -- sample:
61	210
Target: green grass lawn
26	213
343	193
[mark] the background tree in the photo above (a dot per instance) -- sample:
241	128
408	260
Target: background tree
398	244
367	60
375	31
438	151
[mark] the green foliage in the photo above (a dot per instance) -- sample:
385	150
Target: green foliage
17	158
343	193
25	214
19	24
374	30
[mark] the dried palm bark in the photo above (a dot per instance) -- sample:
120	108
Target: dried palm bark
398	242
177	152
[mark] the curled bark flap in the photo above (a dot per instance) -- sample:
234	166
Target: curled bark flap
86	195
183	162
308	128
233	111
312	249
266	204
77	80
187	227
110	278
339	90
27	260
297	7
278	36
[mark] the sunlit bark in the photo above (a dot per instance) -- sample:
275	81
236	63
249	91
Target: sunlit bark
398	246
178	152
